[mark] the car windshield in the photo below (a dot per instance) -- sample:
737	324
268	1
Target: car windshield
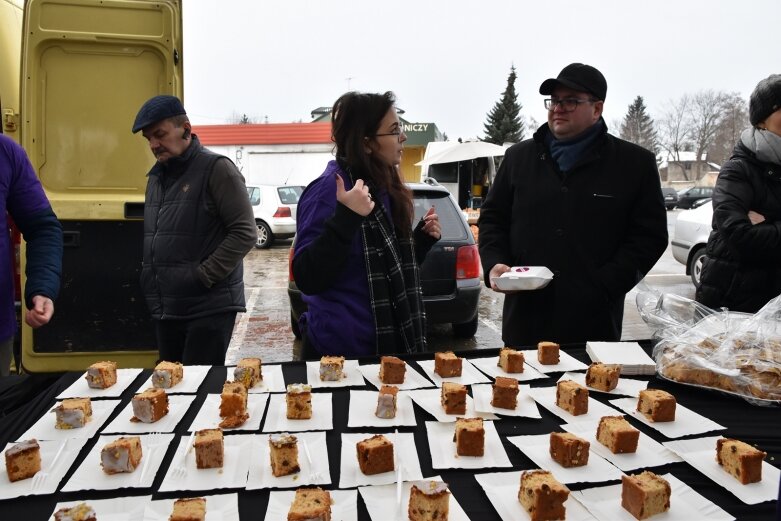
289	194
450	218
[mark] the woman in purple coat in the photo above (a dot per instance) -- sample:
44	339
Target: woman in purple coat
357	256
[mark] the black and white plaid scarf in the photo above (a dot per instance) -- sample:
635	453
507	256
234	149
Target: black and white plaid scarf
394	286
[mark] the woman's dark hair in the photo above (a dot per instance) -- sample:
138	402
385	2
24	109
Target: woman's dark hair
355	117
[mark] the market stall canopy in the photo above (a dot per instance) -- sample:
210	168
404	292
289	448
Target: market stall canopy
463	152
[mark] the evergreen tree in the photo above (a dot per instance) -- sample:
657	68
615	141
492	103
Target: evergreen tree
504	124
638	127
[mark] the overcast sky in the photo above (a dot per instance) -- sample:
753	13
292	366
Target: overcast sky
448	60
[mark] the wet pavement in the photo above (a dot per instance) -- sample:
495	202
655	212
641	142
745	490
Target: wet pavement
264	331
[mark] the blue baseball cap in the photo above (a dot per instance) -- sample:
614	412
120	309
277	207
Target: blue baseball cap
157	109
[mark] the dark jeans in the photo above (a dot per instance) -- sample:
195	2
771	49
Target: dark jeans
200	341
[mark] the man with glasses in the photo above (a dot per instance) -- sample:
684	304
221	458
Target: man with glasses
581	202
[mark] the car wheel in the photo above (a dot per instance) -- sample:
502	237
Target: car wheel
265	237
695	265
465	329
294	326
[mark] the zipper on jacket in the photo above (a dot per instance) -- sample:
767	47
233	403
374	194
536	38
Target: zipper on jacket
152	246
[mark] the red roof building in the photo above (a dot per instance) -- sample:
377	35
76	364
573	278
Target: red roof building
264	134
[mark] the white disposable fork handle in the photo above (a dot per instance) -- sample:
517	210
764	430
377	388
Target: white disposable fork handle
396	449
57	456
188	447
308	457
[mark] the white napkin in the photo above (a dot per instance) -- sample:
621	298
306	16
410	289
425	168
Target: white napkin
90	475
352	377
700	453
502	490
405	452
649	452
68	450
686	421
431	401
321	420
566	362
260	475
209	415
223	507
625	387
483	394
380	501
630	355
363	404
685	503
490	367
469	374
537	449
44	429
128	508
178	405
80	389
273	379
192	378
443	448
344	505
233	474
412	378
546	396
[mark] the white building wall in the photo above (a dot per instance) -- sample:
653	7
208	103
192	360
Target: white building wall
278	164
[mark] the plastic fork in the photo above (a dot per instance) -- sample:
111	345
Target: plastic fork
41	476
314	475
398	470
180	471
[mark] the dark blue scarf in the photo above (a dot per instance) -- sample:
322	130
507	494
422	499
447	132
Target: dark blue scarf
566	153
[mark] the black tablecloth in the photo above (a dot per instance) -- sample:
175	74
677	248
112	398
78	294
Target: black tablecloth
758	426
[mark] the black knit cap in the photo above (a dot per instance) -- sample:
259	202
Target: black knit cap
765	99
157	109
580	77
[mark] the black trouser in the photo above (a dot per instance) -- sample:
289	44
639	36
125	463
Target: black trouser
199	341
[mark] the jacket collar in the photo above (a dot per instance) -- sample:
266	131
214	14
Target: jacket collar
176	165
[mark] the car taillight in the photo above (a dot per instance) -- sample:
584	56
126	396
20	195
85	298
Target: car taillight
290	266
283	211
468	262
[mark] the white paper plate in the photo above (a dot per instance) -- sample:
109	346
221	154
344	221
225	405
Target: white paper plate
685	504
178	405
44	429
469	374
233	474
273	379
412	378
321	420
546	396
344	505
502	490
115	509
218	508
526	407
523	278
192	378
363	404
380	500
686	421
68	449
405	451
80	389
625	387
566	362
431	401
537	448
90	475
260	475
443	448
351	376
209	415
490	366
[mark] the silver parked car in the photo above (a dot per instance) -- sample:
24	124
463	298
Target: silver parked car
275	212
692	229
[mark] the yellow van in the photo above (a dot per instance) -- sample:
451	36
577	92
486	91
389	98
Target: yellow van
86	67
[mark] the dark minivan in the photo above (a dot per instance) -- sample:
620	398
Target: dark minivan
687	198
450	275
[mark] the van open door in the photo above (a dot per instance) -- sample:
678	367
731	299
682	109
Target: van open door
87	67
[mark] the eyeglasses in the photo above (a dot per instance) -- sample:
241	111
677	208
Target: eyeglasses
398	133
566	104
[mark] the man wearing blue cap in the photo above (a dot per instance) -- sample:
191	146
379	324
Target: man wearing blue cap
581	202
198	226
